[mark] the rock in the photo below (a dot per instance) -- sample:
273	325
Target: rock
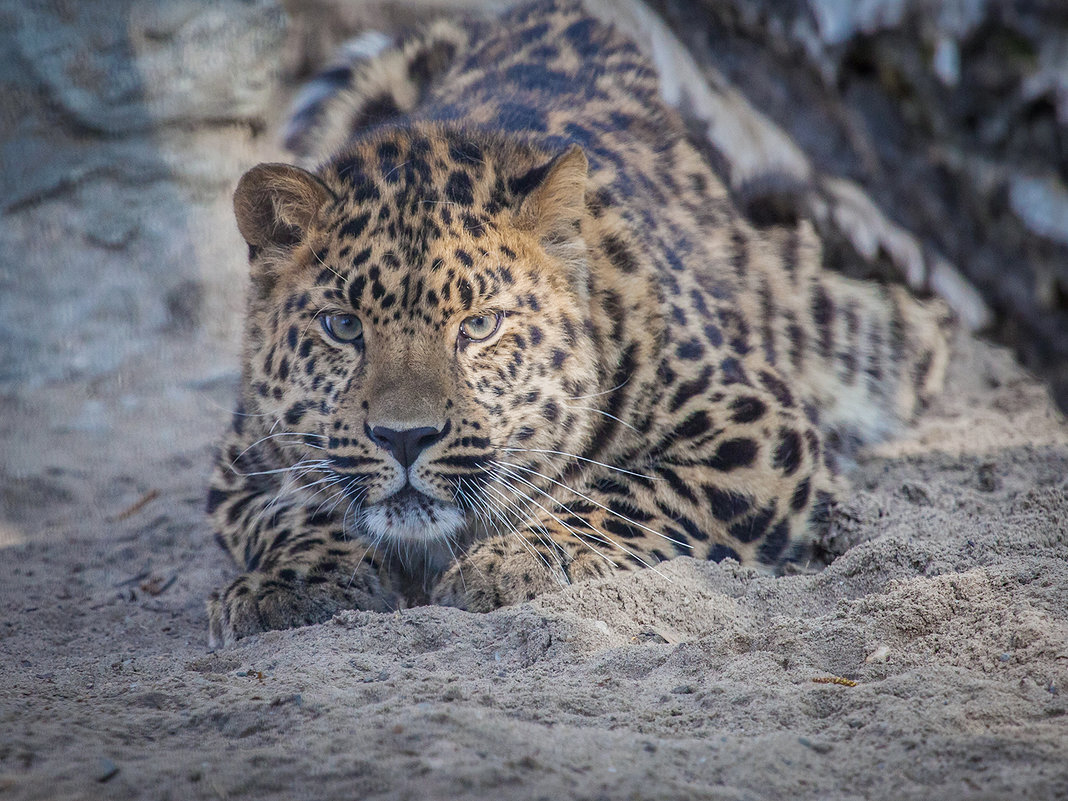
948	119
106	770
129	66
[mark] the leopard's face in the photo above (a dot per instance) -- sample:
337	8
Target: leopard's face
426	359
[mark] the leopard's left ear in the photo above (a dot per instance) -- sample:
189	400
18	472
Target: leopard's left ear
276	204
553	209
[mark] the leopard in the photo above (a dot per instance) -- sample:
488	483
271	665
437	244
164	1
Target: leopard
508	331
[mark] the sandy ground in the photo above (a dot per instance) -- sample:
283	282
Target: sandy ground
948	608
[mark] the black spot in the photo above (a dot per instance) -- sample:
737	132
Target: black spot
737	329
731	372
665	374
376	110
356	225
693	426
753	527
580	36
690	351
713	335
692	530
800	496
690	389
458	189
533	33
309	544
796	335
732	454
473	225
619	254
215	499
718	552
777	387
622	529
364	191
739	255
823	315
466	151
523	184
388	153
725	505
430	61
539	78
747	409
579	134
771	549
599	201
677	484
788	451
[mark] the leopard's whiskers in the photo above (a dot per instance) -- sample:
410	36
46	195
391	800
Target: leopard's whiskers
597	535
581	459
595	502
601	536
542	537
602	412
618	386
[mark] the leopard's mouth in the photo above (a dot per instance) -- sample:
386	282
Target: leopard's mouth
409	515
408	496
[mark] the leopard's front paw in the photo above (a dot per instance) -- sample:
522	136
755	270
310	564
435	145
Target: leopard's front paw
492	578
256	602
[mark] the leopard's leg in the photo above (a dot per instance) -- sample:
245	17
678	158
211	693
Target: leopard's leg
300	566
565	543
741	475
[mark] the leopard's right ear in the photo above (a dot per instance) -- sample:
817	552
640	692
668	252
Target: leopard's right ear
276	205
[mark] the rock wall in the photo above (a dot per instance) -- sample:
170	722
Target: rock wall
124	127
952	116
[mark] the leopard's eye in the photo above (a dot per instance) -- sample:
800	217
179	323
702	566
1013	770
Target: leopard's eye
345	328
480	327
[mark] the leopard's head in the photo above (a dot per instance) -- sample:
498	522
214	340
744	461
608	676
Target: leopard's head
419	336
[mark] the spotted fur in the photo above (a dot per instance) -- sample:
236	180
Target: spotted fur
664	379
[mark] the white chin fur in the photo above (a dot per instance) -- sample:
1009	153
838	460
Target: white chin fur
427	522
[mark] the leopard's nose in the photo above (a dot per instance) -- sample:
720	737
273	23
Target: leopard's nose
405	444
